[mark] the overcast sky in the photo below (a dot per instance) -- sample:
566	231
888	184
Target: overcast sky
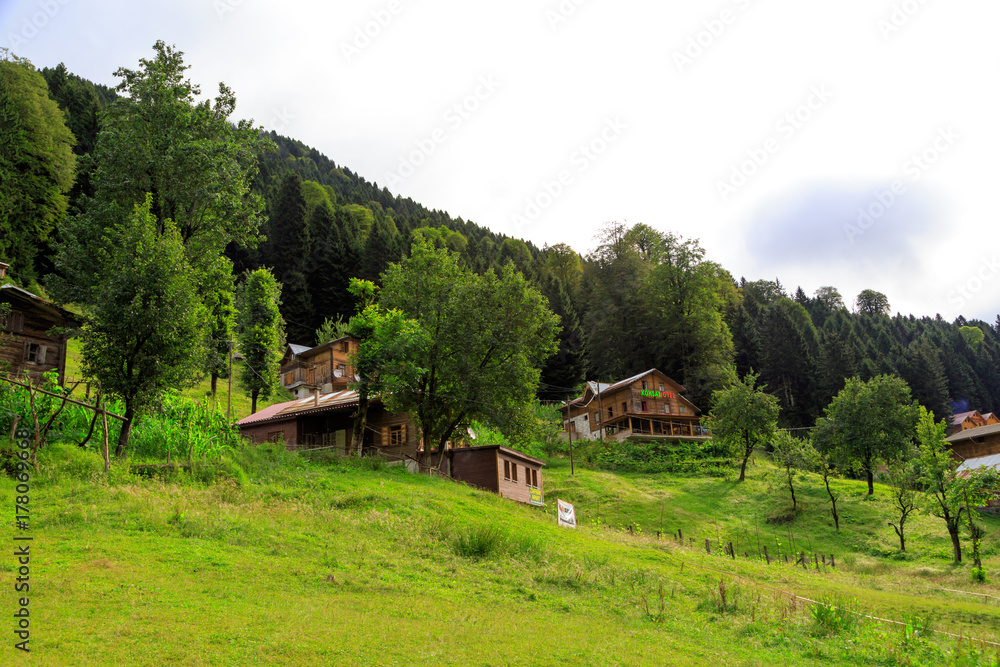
851	144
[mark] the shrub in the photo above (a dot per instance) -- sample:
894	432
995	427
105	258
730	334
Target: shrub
979	575
835	616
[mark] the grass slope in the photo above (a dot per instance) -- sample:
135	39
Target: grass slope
271	559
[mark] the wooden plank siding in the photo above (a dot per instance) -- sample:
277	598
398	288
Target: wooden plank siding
25	343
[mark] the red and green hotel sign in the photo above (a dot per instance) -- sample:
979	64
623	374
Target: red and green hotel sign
658	394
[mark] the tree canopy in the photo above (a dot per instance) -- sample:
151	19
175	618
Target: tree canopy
744	417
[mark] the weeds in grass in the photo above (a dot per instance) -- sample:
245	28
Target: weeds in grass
656	615
978	575
836	616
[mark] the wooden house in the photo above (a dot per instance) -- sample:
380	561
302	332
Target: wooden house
29	340
972	443
647	406
971	419
325	368
327	420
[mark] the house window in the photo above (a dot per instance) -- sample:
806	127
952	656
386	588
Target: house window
12	322
624	408
683	409
506	469
34	353
341	371
513	471
273	436
396	435
610	412
644	385
534	478
644	406
661	387
288	379
586	418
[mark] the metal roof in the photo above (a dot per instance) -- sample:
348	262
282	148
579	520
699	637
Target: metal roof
44	304
336	400
977	432
991	461
298	349
961	417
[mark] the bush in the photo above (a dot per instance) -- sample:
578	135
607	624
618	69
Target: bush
682	458
835	616
979	575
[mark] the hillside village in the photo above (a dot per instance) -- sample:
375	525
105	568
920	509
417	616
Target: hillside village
394	370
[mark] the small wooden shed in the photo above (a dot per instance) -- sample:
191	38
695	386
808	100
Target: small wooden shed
499	469
28	339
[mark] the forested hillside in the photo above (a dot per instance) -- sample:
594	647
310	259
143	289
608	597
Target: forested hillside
644	298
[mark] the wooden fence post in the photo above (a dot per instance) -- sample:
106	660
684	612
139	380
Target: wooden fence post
832	564
732	552
766	556
707	549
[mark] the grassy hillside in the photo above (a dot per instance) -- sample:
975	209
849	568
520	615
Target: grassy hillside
273	559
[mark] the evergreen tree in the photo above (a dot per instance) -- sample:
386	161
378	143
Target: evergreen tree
289	251
924	372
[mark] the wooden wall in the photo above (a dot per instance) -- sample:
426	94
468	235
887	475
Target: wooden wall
476	467
29	326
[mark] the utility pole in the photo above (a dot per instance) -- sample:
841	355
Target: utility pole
229	395
571	470
600	407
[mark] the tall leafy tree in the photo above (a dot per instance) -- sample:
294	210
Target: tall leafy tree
260	334
869	423
939	477
36	164
486	337
743	417
158	139
871	302
143	333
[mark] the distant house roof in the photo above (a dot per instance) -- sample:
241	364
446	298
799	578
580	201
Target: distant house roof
988	416
331	402
502	449
977	432
962	416
594	389
19	294
298	349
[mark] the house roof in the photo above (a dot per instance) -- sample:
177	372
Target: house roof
962	416
298	349
597	388
988	415
968	465
337	400
977	432
504	450
19	294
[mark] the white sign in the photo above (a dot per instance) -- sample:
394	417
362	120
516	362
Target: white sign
567	514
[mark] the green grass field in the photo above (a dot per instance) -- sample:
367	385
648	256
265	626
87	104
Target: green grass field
273	559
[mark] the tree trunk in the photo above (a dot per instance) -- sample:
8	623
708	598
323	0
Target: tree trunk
836	519
792	489
956	544
871	480
215	382
358	433
747	449
126	431
253	400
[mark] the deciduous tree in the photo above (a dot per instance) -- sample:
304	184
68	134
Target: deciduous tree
260	334
743	417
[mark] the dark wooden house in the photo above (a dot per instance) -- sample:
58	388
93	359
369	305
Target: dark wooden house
28	342
645	406
325	368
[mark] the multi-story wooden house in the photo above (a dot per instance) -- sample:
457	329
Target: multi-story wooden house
646	406
971	419
325	368
32	334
